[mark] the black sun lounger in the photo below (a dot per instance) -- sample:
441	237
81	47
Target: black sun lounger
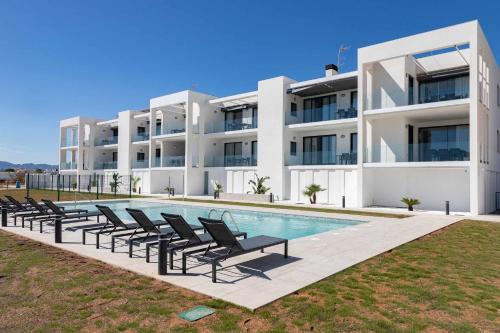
115	225
188	238
230	246
65	216
152	230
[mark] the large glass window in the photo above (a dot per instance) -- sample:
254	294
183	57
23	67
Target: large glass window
232	153
444	143
254	152
443	89
411	86
320	108
354	143
319	150
233	120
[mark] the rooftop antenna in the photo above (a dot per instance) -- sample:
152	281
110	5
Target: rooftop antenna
342	49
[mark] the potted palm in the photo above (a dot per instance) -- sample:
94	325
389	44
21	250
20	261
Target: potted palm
311	191
218	188
258	185
135	181
410	202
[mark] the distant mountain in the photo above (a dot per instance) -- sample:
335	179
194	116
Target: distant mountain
28	166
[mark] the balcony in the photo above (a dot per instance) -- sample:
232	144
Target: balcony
323	158
169	131
319	114
69	165
423	152
111	140
140	137
231	161
140	164
229	126
170	161
106	165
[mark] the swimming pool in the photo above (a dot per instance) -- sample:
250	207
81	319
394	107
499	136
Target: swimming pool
255	223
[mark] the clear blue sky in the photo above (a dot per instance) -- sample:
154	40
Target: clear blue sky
64	58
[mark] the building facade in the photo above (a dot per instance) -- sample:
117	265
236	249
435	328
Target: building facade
420	118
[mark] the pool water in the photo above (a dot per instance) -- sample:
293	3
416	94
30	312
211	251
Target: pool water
255	223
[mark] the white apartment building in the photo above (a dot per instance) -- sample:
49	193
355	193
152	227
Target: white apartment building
420	117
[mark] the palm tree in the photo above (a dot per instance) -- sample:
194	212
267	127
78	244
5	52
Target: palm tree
116	182
311	191
258	185
410	202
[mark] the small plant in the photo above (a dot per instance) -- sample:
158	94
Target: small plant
115	182
135	180
218	188
258	185
410	202
311	191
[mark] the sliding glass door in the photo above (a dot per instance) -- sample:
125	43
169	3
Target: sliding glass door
232	153
444	143
318	150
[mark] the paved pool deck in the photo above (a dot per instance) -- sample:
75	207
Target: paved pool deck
256	279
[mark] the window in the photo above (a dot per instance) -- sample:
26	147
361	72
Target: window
141	130
293	148
411	88
320	150
255	117
141	156
293	109
114	157
498	95
354	143
498	141
443	89
444	143
320	108
254	153
232	153
233	120
354	100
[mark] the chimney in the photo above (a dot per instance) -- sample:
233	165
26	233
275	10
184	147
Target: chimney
331	70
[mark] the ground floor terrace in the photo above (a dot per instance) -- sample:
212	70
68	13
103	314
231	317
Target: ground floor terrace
438	289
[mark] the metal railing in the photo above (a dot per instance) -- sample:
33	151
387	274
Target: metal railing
69	165
420	152
319	114
140	164
229	126
106	165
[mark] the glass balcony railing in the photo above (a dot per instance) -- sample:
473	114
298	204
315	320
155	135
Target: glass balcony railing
444	89
111	140
230	161
323	158
140	137
319	114
140	164
167	131
106	165
69	143
170	161
69	165
229	126
423	152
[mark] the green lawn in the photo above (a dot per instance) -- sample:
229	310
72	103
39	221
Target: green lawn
445	282
294	207
38	195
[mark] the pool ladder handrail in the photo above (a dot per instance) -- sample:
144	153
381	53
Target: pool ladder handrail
233	221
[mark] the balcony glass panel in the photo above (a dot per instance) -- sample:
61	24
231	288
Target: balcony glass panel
230	125
140	137
323	158
230	161
111	140
167	131
140	164
106	165
444	89
320	114
68	165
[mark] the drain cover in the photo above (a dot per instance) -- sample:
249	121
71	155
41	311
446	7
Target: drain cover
196	313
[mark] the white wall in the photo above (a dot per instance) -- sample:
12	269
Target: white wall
337	182
432	186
